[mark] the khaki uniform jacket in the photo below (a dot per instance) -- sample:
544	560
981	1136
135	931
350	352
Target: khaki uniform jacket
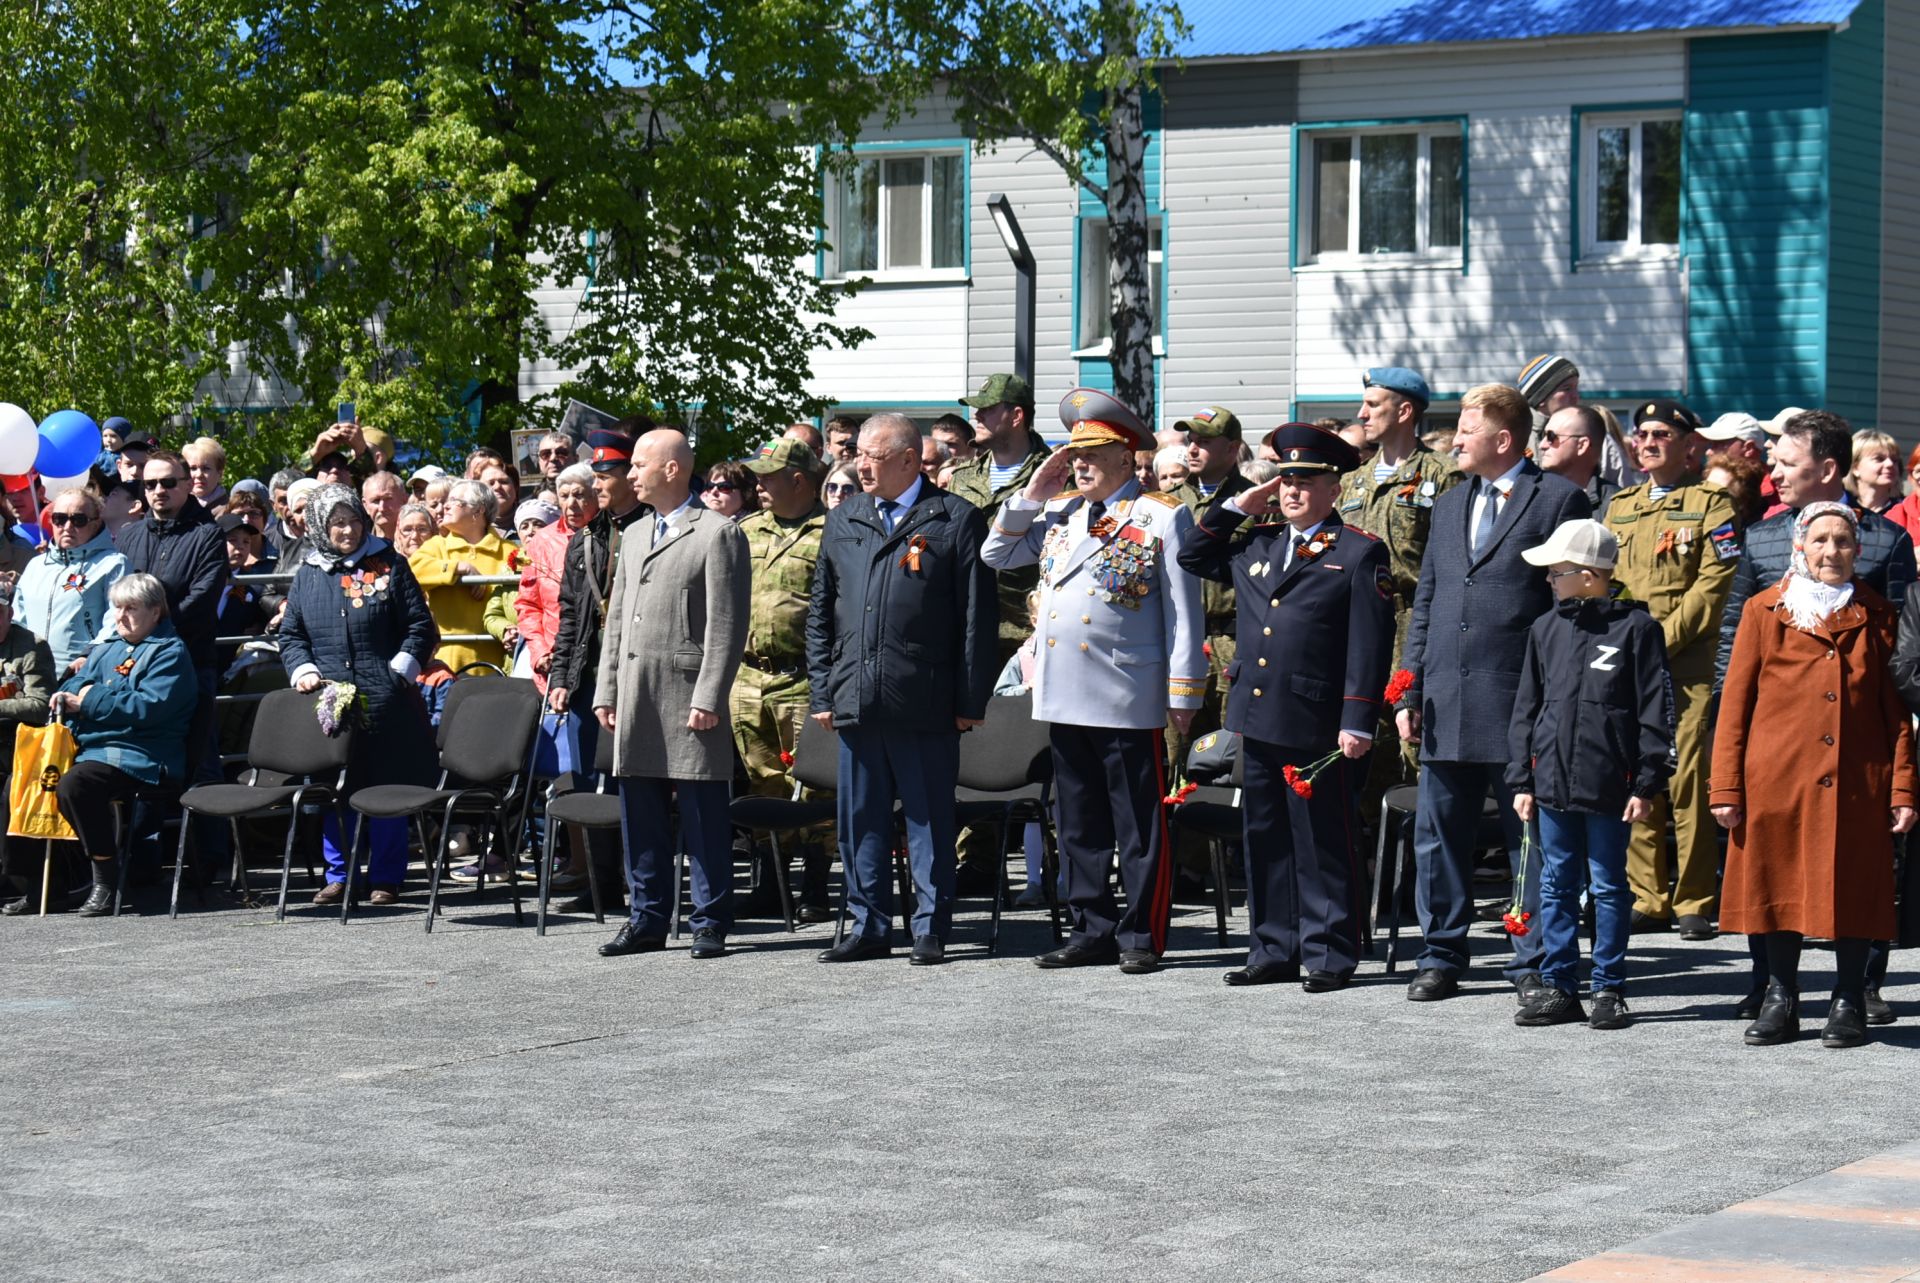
973	482
1677	554
1216	597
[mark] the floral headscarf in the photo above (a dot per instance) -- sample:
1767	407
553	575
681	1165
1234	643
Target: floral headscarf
1808	601
321	506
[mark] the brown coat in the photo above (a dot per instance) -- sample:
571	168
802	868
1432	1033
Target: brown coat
1814	742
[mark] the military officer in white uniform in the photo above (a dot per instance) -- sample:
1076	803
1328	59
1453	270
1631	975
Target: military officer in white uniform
1121	652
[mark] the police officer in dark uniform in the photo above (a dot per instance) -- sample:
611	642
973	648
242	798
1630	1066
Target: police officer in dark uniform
1315	639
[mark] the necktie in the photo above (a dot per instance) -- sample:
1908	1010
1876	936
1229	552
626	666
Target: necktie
1489	513
1294	548
659	530
888	507
1096	510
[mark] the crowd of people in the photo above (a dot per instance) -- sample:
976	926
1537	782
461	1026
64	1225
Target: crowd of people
1636	633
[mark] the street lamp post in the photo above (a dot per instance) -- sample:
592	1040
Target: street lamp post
1008	226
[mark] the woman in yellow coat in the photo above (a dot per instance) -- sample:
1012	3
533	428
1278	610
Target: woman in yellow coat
466	545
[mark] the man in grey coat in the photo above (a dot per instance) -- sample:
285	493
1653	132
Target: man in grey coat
676	627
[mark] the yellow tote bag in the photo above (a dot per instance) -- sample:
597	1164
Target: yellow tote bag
42	755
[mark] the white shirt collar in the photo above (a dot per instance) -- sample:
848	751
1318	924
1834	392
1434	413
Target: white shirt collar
1310	531
1504	482
668	517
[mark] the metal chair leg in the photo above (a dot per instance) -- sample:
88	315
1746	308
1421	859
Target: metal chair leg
352	842
512	852
546	869
123	843
780	881
433	871
286	863
1375	908
1222	904
593	879
1000	880
1050	875
179	863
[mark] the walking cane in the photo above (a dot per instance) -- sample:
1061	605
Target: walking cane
46	878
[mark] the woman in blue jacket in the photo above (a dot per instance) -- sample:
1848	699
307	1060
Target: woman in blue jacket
62	594
355	614
130	706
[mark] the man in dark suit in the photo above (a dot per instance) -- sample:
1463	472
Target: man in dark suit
1315	633
901	650
1465	645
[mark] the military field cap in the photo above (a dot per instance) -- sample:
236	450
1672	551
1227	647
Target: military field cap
779	455
1210	421
1778	423
1000	389
1668	411
1543	375
138	439
1398	378
1097	418
1735	425
378	441
612	451
1303	447
1584	542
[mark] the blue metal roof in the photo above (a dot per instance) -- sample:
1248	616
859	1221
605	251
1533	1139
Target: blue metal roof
1230	28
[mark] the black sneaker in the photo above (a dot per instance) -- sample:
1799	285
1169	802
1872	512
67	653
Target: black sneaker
1879	1010
1526	987
1609	1010
1550	1007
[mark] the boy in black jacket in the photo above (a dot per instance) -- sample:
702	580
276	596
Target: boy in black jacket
1591	736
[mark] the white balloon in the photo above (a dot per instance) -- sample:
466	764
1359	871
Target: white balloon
19	440
54	485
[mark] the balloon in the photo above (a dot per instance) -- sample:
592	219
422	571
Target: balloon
69	443
19	439
54	485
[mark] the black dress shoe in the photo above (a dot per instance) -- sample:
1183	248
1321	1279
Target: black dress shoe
1139	962
857	949
1779	1018
628	939
928	951
14	908
1846	1023
99	902
1526	985
1695	927
708	943
1748	1008
1431	985
1879	1010
813	913
1086	953
1263	973
1325	981
1641	924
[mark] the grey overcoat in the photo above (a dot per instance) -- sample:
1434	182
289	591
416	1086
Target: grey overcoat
676	627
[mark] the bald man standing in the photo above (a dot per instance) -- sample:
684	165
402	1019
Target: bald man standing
676	627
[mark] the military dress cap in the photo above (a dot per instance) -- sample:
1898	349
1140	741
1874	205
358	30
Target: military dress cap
1543	376
1000	389
1302	447
1668	411
612	451
778	456
1097	418
1398	378
1210	421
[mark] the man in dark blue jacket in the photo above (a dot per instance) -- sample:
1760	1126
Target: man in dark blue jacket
1466	642
901	656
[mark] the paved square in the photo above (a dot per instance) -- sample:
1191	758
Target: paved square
224	1097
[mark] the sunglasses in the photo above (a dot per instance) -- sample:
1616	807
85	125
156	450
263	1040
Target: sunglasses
841	487
1655	434
1555	438
69	519
556	454
727	486
163	483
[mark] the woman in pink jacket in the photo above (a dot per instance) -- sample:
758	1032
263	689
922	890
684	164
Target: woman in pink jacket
543	562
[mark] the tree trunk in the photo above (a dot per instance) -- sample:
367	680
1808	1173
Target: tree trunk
1129	281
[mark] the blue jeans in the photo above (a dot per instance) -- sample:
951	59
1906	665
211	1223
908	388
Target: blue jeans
386	849
1573	843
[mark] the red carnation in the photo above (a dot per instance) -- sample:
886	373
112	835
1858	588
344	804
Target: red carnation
1301	784
1515	923
1179	795
1398	685
786	758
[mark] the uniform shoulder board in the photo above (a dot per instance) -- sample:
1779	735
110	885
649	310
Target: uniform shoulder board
1161	497
1061	500
1368	535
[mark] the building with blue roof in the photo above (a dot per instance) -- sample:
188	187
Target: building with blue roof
1710	199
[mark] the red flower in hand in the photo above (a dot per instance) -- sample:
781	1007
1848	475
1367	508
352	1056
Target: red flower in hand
1516	923
1179	795
786	758
1301	784
1397	686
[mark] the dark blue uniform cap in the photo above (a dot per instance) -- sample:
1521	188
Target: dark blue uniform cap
1302	447
612	451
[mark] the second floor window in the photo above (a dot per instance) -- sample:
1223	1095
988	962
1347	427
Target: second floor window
1385	194
1094	330
1630	180
895	212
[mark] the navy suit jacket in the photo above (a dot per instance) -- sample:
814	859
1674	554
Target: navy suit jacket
903	631
1467	637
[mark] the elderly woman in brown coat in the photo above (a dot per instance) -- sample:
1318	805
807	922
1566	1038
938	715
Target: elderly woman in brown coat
1812	771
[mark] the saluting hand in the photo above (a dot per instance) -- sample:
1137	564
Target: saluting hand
1052	477
1264	497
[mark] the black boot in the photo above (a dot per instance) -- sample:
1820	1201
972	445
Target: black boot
1779	1019
106	874
1846	1022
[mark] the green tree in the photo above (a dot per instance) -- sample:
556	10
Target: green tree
1067	77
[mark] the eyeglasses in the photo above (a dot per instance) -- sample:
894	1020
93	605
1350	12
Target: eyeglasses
556	454
1655	434
882	457
69	519
1562	574
1555	438
841	487
162	483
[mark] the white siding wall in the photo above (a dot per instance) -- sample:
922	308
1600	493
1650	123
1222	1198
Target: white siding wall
917	355
1900	228
1046	204
1225	188
560	307
1625	326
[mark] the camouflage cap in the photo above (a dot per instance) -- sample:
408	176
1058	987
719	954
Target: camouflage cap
1000	389
781	454
1210	421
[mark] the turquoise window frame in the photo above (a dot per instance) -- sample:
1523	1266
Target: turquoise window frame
1575	206
1304	130
1097	371
897	146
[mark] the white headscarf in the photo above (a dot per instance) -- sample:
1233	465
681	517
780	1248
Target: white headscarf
1808	602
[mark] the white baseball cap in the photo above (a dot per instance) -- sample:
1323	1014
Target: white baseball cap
428	472
1736	425
1778	423
1583	543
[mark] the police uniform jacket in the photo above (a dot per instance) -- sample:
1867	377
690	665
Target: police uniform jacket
1314	640
901	632
1122	636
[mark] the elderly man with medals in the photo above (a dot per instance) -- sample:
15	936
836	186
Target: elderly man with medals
1120	650
1315	637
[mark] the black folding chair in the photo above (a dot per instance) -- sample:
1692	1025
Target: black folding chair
568	802
1212	813
1393	858
486	747
291	764
1006	776
816	768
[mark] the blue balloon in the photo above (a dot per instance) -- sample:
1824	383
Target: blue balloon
69	443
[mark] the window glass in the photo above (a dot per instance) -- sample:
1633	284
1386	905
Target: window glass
1444	190
857	221
949	211
1332	159
1096	260
1612	168
1388	163
906	201
1660	182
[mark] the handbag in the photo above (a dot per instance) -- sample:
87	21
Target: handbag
42	756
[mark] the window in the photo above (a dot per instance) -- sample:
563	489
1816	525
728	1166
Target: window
1385	194
899	213
1630	184
1093	332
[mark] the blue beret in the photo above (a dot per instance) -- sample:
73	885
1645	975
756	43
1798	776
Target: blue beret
1398	378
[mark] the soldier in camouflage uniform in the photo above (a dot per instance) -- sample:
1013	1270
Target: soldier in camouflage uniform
1213	477
769	698
1391	498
